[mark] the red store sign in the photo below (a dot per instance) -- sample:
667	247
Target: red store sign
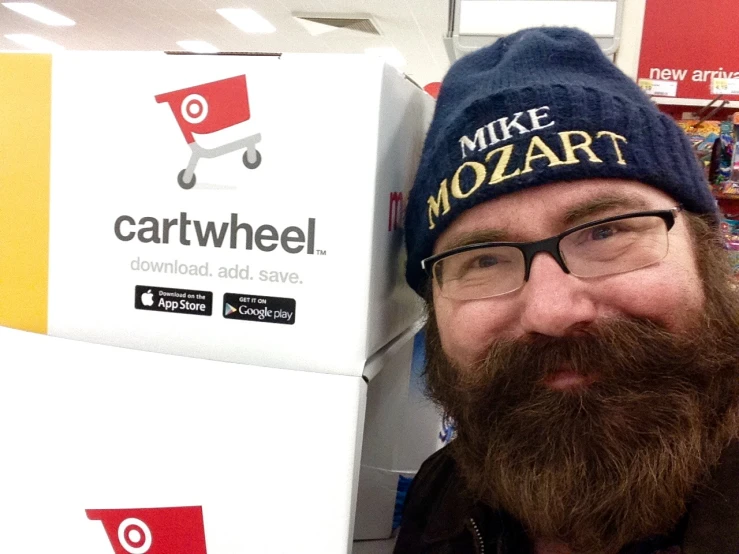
690	42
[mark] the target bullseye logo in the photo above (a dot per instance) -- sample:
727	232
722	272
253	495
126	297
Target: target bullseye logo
173	530
194	108
134	536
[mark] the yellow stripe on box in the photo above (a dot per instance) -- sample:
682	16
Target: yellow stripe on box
25	139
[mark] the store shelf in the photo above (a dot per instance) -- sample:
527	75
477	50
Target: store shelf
697	102
693	102
727	197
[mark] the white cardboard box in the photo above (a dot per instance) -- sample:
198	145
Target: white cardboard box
90	172
295	229
268	456
269	459
401	429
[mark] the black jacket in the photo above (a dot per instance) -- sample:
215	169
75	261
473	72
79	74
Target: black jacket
439	519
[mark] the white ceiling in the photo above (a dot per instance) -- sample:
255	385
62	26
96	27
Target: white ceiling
415	27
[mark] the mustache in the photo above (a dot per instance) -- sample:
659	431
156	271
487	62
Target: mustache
632	362
646	380
617	352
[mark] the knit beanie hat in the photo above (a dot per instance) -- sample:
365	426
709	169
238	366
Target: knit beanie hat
540	106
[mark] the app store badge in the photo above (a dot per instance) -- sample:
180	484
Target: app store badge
175	301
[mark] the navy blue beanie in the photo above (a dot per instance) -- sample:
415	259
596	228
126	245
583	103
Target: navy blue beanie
536	107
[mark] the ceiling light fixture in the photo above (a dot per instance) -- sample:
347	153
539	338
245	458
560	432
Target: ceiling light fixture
39	13
197	46
37	44
247	20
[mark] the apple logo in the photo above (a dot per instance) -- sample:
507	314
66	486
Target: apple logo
147	298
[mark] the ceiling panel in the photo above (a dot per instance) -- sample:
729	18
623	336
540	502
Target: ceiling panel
415	27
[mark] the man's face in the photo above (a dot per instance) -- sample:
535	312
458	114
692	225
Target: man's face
553	303
611	452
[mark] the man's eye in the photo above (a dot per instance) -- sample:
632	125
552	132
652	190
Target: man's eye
486	261
601	233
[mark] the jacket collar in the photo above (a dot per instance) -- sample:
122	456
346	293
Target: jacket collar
713	522
451	510
713	527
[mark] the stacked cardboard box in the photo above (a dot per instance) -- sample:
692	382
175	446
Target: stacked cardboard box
234	223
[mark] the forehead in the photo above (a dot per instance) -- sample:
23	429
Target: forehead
546	210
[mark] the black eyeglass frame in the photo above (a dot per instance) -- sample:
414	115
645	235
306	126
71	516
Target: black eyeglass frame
551	244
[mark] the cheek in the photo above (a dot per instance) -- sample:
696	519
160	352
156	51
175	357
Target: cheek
466	329
670	294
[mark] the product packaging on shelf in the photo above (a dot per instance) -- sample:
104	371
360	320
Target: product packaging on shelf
702	136
730	231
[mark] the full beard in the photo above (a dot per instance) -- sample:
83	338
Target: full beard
605	465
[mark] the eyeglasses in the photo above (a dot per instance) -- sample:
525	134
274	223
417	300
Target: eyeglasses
605	247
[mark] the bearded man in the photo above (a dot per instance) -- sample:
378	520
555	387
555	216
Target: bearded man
583	331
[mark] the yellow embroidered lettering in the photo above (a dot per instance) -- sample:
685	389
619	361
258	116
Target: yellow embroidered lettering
615	138
566	137
546	152
439	205
505	157
479	170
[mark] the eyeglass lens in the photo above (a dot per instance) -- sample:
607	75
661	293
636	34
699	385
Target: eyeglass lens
602	249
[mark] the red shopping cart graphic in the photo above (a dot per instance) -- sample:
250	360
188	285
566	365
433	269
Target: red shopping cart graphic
209	108
154	530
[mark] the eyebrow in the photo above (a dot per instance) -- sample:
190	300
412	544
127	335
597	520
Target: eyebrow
573	216
477	237
602	204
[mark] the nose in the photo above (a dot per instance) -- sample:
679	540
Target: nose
555	303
